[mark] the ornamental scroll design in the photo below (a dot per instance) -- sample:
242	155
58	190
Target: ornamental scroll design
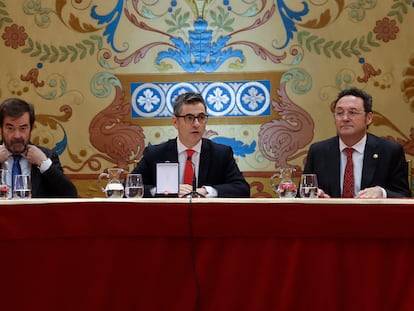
121	142
280	139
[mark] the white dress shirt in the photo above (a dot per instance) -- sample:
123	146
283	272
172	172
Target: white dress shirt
195	159
358	161
24	164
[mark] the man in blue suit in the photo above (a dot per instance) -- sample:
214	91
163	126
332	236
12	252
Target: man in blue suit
379	165
215	170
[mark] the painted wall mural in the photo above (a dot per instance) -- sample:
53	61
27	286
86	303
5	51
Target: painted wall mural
102	75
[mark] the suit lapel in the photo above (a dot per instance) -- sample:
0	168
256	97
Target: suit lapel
172	151
370	161
334	167
204	164
35	176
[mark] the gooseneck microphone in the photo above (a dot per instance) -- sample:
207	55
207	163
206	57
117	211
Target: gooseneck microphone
193	193
194	183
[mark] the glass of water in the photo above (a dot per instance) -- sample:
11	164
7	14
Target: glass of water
22	188
134	186
308	187
4	187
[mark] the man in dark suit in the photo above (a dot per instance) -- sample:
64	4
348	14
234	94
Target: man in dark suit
17	118
379	165
215	170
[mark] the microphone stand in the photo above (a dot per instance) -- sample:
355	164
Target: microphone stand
194	193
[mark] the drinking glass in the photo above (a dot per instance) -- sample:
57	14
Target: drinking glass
22	188
308	187
4	187
134	187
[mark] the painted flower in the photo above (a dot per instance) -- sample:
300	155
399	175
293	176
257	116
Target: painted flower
219	99
386	29
14	36
254	98
148	101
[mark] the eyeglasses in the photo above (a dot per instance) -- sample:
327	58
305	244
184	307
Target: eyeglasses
350	114
190	118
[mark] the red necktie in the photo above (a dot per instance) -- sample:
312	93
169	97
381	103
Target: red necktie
348	186
189	169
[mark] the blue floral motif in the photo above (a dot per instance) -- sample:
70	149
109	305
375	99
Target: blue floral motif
253	98
240	149
218	100
148	101
112	19
62	144
223	98
288	16
200	53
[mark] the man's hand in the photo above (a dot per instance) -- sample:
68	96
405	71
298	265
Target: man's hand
370	193
4	153
186	189
322	194
35	155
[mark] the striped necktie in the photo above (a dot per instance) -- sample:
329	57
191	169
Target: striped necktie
348	186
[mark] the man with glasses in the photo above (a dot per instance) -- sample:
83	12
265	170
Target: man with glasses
376	168
213	166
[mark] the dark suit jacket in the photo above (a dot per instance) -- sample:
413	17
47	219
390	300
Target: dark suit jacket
384	165
52	183
217	167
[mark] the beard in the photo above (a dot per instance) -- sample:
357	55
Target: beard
16	146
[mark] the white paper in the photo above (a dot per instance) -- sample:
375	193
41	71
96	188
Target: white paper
167	178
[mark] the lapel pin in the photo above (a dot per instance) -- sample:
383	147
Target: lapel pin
375	155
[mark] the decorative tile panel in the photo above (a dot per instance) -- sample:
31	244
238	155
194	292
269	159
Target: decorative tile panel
227	98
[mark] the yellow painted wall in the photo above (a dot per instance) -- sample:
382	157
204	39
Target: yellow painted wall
75	60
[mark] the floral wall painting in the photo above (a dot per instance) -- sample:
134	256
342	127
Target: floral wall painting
103	74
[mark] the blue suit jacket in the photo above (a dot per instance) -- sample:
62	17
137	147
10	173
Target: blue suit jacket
217	167
384	165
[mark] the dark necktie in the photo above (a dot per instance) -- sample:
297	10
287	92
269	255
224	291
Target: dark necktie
189	169
16	169
348	186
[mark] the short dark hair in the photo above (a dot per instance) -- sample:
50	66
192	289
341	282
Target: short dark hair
187	98
367	99
15	108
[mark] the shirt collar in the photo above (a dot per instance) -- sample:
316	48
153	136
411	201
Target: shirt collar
359	146
182	148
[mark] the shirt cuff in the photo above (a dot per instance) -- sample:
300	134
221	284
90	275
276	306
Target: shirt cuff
45	165
211	192
384	193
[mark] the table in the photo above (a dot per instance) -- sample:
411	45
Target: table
207	254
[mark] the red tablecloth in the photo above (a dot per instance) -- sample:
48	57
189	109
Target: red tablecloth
253	254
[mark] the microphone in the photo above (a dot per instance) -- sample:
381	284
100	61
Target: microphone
194	183
194	193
